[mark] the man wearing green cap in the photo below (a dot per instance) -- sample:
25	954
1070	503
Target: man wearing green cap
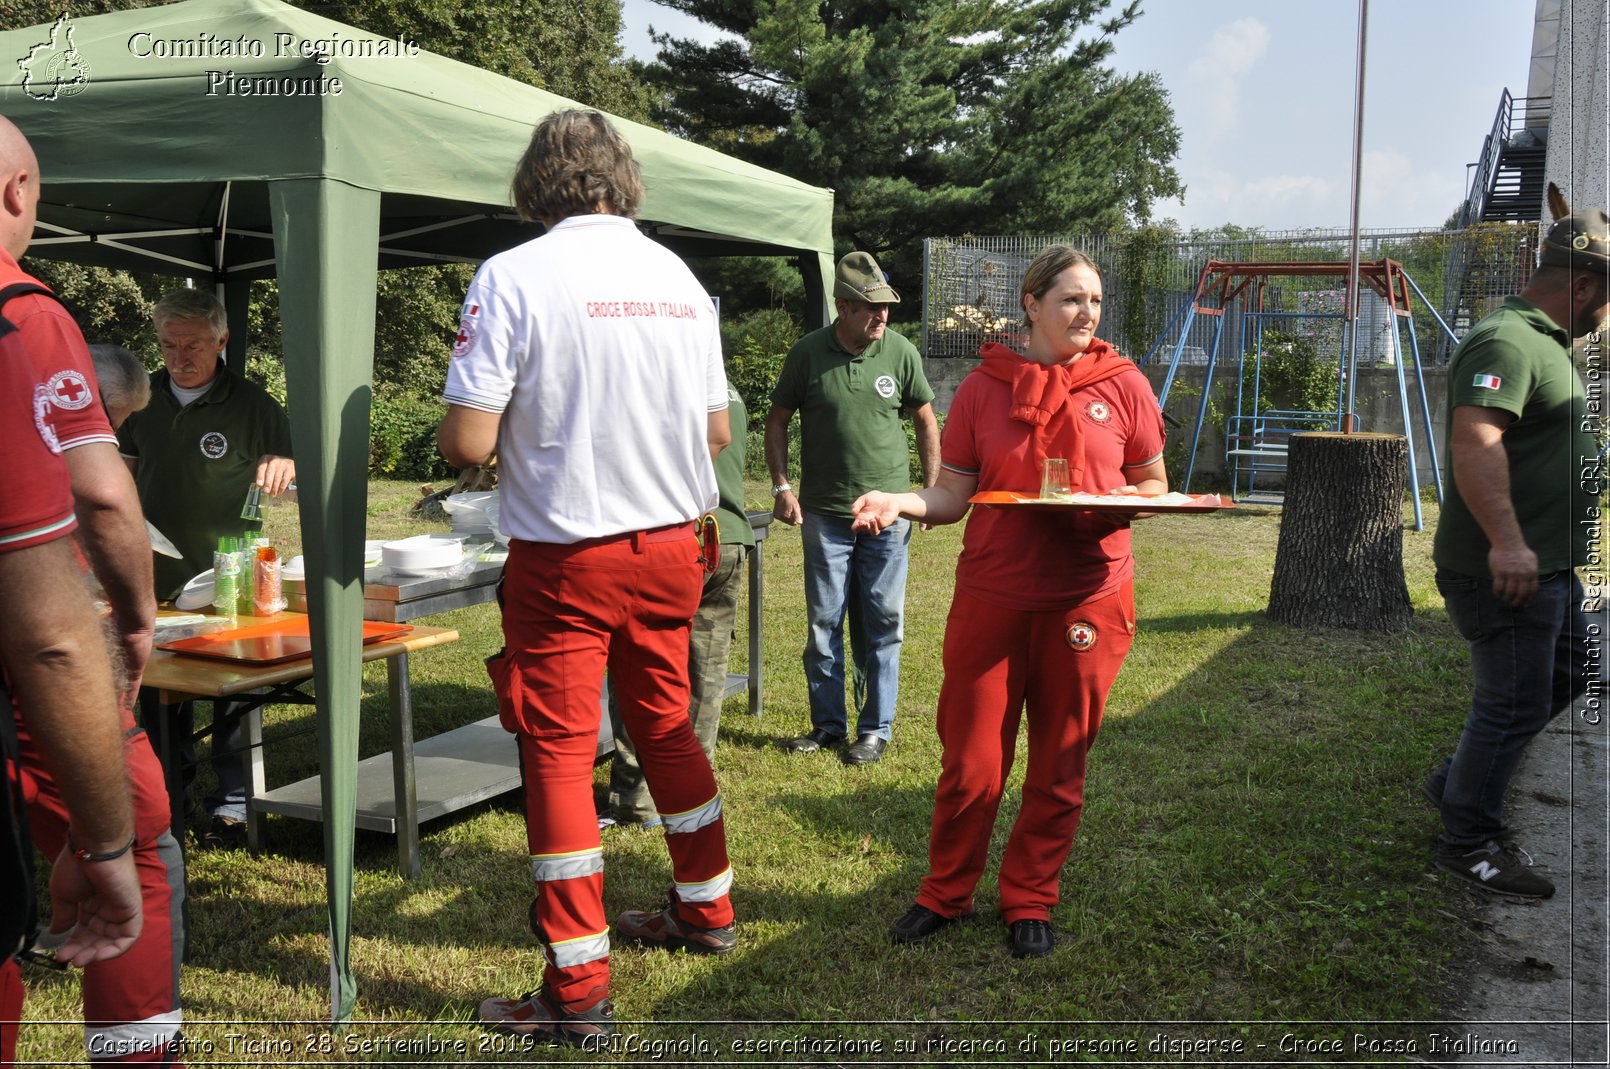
850	383
1521	513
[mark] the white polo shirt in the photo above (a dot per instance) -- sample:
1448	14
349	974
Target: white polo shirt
600	350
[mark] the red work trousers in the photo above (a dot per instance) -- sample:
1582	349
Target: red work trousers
10	1010
1059	666
570	611
131	1002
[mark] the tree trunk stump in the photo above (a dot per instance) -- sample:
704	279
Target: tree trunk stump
1339	562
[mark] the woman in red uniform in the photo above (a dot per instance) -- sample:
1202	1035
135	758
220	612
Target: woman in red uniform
1044	609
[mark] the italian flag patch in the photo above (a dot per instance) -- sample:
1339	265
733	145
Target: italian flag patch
1486	382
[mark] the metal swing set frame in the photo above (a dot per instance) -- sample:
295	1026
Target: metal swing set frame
1257	441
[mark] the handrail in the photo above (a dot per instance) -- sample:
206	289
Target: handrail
1481	183
1515	116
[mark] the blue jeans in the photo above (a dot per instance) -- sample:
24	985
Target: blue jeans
1530	664
864	575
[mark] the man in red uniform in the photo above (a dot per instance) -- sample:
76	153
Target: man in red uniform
55	665
605	414
131	1004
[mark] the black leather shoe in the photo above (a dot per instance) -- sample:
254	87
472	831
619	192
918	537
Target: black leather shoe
867	749
1032	939
817	739
919	922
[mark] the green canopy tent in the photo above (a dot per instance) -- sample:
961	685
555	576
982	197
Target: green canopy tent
227	140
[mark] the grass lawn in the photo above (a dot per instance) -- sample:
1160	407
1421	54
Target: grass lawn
1254	852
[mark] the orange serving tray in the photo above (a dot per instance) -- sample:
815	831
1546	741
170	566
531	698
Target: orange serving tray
273	642
1013	499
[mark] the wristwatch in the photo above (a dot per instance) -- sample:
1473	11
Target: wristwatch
780	489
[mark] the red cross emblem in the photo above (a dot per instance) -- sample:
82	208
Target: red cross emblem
466	330
69	389
1082	636
1098	411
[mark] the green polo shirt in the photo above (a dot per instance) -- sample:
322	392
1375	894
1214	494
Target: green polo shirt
1519	360
851	436
731	518
196	463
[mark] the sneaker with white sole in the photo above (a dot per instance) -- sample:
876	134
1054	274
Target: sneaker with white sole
1497	869
538	1015
664	930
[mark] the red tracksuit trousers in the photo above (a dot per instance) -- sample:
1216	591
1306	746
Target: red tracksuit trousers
1059	666
131	1002
570	611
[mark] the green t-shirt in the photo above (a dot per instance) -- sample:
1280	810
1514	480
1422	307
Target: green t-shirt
196	463
730	516
851	436
1519	360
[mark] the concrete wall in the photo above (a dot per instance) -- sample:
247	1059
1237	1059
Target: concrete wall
1375	401
1577	153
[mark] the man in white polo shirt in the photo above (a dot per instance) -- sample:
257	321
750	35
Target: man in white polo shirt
589	361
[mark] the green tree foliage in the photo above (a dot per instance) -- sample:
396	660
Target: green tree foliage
568	47
929	116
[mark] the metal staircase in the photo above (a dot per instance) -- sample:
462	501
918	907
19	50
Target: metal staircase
1506	186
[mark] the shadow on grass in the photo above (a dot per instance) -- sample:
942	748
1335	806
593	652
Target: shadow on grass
1200	621
1251	849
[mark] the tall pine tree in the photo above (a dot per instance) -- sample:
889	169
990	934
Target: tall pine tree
929	116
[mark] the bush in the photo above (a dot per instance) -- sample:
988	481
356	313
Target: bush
402	436
755	345
1294	376
268	371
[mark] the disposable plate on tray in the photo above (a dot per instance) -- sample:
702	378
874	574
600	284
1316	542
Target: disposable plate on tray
1105	502
423	555
271	642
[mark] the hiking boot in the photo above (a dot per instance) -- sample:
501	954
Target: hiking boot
538	1015
664	930
1496	868
920	922
1031	938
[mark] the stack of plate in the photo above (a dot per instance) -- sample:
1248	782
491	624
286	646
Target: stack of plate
197	594
422	554
475	516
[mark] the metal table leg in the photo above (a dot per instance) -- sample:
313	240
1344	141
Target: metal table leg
252	762
402	766
756	585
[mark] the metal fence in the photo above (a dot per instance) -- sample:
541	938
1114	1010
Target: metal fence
970	287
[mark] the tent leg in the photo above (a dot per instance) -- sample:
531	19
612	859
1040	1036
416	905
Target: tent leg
325	237
237	297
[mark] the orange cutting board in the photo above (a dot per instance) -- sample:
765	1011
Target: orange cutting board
273	642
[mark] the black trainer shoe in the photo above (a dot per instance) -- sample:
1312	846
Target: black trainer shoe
815	739
1032	938
664	930
920	922
539	1015
1496	868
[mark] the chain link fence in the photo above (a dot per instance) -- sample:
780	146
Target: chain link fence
970	288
